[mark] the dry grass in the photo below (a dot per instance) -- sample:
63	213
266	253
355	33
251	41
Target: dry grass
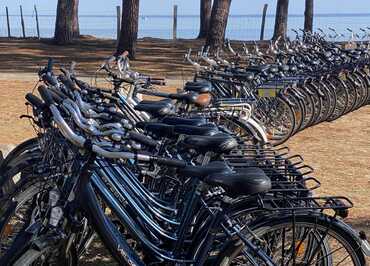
340	153
155	57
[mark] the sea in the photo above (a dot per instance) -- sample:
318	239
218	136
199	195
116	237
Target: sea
240	27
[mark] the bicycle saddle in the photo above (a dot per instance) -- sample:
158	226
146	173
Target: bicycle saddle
156	109
158	129
202	171
219	143
246	181
187	97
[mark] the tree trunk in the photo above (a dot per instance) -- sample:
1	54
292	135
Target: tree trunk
281	19
219	16
205	17
66	24
63	24
308	16
129	27
75	23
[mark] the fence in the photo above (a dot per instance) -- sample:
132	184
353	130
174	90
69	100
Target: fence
240	27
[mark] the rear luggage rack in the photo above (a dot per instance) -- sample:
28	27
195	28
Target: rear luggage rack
304	185
289	175
307	203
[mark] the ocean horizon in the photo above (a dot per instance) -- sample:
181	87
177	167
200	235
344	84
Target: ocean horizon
240	27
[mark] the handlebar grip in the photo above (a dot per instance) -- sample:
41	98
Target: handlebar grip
170	162
35	101
49	67
46	95
142	139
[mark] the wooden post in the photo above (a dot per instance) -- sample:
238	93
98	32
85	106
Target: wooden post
174	30
22	23
7	21
118	8
263	22
37	23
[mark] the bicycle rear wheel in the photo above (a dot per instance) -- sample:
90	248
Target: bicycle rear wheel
300	240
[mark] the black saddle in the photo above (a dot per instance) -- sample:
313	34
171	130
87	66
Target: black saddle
158	129
202	172
219	143
186	97
156	108
198	86
246	181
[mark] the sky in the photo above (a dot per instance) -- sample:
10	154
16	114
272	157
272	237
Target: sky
187	7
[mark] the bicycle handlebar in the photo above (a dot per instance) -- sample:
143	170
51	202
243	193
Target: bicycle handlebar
82	142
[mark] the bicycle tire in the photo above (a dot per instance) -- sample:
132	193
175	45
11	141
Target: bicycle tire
329	225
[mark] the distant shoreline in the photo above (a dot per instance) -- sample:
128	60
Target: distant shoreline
196	16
